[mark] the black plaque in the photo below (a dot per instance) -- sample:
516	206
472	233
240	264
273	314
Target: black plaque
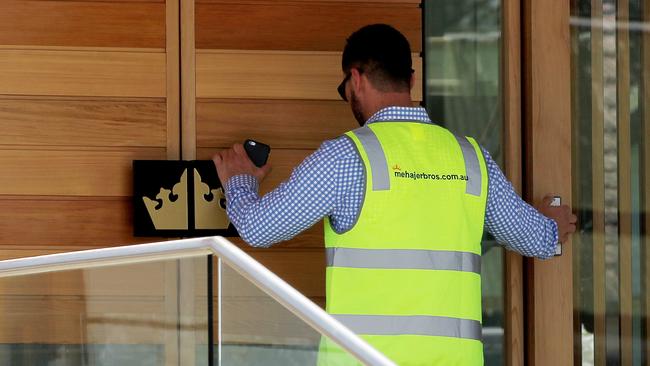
178	199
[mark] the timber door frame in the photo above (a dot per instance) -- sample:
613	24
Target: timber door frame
547	170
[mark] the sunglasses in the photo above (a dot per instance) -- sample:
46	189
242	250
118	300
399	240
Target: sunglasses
341	88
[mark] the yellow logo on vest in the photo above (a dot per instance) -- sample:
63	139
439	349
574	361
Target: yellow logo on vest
423	175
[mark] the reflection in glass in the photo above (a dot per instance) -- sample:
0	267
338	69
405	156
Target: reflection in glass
127	315
610	173
254	329
463	89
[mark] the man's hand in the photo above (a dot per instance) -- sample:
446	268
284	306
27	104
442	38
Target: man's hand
565	219
235	161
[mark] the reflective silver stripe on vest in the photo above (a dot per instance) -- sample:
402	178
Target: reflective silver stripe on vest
376	157
472	167
403	259
411	324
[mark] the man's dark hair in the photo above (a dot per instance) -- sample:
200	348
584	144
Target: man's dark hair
383	54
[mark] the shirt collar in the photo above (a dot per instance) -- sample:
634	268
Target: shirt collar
400	114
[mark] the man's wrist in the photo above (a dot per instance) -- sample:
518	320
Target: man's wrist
241	181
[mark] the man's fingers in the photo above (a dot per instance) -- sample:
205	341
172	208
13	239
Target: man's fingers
266	169
573	219
217	158
239	149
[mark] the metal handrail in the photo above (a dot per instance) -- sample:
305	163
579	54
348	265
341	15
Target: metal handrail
236	258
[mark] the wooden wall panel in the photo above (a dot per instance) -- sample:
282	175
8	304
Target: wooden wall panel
86	87
301	267
66	222
282	124
173	64
90	24
71	172
306	26
48	122
266	2
275	75
82	73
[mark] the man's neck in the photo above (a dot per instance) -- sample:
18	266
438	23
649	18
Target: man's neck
390	100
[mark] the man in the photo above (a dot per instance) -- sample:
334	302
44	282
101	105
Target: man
405	203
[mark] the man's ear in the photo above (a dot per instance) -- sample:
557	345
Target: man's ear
355	79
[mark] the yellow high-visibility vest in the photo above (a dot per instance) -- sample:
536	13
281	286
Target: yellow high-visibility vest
407	276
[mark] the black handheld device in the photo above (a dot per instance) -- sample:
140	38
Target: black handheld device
258	152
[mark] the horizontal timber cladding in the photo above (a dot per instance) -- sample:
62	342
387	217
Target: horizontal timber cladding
275	75
67	122
302	268
78	23
66	221
62	72
64	172
73	222
335	2
283	124
297	26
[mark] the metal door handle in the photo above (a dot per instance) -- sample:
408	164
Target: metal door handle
556	202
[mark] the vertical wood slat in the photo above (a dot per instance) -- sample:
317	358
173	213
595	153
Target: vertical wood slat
173	79
187	340
547	115
188	81
171	303
624	182
511	71
645	183
598	180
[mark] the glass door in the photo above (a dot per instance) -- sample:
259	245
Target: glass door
611	175
463	92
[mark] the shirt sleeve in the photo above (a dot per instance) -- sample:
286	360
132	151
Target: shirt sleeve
513	222
295	205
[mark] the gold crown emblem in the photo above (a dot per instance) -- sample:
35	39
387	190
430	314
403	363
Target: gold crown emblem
209	206
396	167
169	210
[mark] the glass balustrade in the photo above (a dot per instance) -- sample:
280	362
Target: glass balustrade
254	329
177	306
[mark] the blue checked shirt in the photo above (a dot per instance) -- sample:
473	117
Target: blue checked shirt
330	182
